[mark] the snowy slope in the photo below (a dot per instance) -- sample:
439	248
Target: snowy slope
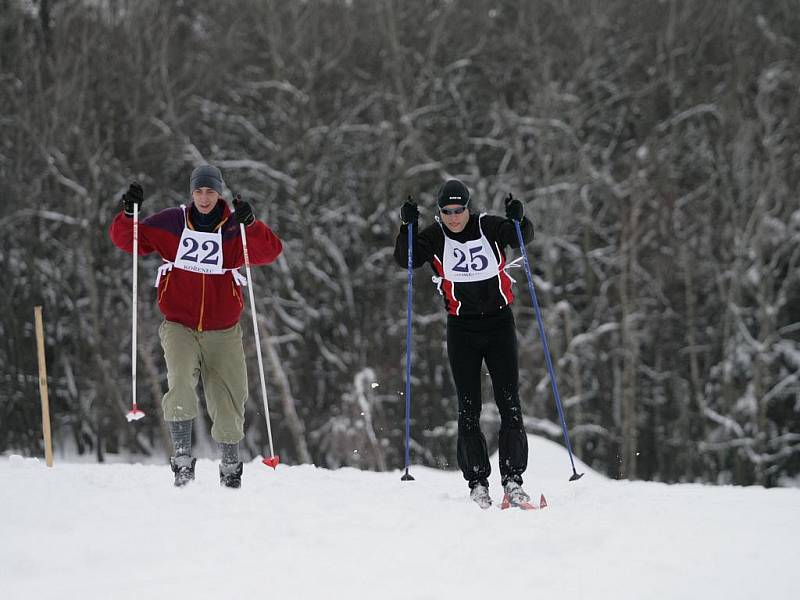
122	531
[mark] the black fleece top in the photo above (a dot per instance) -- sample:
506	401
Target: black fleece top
473	298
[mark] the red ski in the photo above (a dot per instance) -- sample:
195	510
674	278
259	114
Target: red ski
523	505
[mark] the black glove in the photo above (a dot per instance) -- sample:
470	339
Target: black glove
243	212
409	213
134	195
514	209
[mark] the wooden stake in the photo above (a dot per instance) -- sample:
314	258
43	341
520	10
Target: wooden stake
48	442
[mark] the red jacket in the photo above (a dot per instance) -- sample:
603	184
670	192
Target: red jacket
199	301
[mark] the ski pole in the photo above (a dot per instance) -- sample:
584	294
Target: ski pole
134	414
407	476
550	369
273	459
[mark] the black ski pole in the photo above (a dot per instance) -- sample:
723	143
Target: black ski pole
547	359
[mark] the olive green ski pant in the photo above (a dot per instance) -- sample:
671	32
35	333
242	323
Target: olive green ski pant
216	358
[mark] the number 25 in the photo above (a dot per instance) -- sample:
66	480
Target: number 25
478	262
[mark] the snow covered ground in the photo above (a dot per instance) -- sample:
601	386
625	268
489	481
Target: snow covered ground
119	531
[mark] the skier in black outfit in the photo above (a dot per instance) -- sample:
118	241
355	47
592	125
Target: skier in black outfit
467	254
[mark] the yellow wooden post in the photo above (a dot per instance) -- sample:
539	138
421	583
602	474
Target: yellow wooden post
48	442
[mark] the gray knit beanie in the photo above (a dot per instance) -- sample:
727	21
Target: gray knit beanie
206	176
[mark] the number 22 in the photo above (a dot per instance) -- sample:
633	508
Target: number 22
210	247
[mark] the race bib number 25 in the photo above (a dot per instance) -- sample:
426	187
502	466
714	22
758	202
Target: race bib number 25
476	261
470	261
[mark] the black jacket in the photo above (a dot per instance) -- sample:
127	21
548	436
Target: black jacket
466	298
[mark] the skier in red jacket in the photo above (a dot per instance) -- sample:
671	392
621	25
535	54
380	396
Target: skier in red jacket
200	296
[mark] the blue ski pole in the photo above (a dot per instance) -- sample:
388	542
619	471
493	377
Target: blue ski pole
550	369
406	476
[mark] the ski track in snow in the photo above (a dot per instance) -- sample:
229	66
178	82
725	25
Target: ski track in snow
121	531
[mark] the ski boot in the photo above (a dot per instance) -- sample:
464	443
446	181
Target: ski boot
230	475
480	493
514	495
183	467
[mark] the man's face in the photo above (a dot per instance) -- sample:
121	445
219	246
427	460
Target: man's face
452	218
205	199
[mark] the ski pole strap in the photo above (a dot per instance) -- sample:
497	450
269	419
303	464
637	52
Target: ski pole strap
167	266
237	276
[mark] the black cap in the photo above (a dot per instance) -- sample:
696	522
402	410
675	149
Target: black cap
206	176
453	192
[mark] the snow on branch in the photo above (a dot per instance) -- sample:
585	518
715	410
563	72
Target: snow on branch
66	181
48	215
700	109
728	424
780	387
283	86
261	167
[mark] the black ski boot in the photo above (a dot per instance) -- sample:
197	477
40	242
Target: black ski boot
183	467
230	475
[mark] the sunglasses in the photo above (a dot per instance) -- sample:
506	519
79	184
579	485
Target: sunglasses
453	211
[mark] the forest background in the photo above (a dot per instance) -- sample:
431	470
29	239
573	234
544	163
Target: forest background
656	145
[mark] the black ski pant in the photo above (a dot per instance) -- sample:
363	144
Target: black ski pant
470	342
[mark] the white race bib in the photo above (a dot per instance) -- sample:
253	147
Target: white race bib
470	261
200	252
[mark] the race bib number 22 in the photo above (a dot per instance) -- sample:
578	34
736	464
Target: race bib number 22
200	252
